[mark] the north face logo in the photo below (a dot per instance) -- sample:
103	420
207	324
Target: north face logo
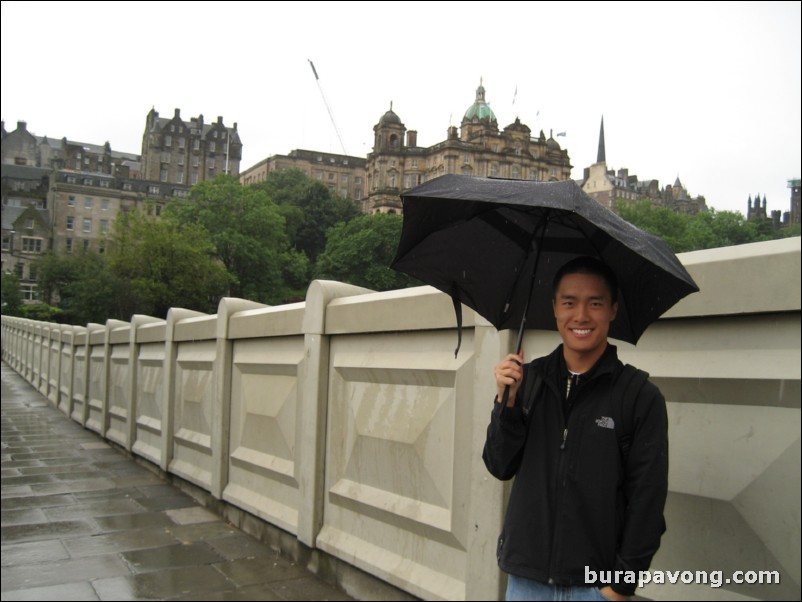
605	422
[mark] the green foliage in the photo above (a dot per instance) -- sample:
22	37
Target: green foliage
360	252
309	207
248	236
165	264
82	285
705	230
43	313
11	297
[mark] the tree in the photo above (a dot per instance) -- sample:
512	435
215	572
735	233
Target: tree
309	207
11	297
82	286
165	264
704	230
248	235
662	222
360	252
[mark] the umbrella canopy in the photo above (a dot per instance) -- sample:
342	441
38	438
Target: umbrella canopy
495	245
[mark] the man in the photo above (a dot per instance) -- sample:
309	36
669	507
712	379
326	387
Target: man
591	471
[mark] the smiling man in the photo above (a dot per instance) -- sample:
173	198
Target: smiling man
586	439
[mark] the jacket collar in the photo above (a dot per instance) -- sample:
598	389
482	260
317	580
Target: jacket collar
555	367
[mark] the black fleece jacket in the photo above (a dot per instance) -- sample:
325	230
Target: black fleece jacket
577	501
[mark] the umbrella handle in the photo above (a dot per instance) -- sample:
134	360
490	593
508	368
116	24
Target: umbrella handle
506	396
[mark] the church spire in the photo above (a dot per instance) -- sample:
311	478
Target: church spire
600	156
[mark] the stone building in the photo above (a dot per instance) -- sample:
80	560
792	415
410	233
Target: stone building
66	211
22	148
342	173
756	210
26	225
477	148
64	196
794	186
180	152
608	186
397	163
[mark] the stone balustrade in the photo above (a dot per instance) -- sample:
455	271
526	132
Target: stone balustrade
346	422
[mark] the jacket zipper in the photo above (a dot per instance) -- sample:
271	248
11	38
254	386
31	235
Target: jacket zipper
562	476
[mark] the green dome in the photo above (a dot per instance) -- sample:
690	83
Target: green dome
480	109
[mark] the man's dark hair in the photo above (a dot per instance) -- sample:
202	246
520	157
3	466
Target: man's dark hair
588	265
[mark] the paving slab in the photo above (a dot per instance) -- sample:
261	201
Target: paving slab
83	520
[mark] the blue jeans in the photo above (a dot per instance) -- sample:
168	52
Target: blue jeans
520	588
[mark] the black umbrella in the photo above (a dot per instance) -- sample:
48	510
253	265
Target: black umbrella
495	245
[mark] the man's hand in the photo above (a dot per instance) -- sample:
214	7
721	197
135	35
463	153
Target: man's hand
609	593
509	372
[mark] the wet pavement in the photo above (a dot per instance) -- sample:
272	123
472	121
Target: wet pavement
81	520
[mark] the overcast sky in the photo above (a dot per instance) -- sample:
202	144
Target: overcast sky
707	92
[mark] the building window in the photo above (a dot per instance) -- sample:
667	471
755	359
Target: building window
392	180
127	186
165	157
516	172
70	222
193	179
71	201
68	245
87	225
86	244
153	189
31	245
494	169
196	144
212	146
319	175
168	141
104	226
180	177
71	179
104	204
358	194
195	161
210	163
332	176
88	202
88	181
104	183
163	175
344	179
181	143
414	164
28	292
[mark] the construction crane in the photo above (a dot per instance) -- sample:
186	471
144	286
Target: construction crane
328	108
